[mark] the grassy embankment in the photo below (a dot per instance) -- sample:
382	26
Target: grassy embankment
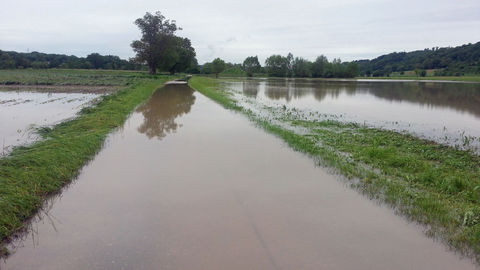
435	185
31	173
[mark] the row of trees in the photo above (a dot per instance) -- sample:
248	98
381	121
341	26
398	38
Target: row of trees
13	60
160	48
285	66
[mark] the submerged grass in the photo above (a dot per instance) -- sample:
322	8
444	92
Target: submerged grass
432	184
29	174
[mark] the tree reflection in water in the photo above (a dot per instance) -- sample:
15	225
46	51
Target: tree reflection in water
463	97
165	105
250	88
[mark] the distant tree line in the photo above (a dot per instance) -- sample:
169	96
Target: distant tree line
16	60
285	66
447	61
158	49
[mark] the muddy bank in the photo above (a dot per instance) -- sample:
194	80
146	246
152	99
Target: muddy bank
198	187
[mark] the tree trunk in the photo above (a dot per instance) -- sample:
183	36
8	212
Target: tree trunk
173	69
153	69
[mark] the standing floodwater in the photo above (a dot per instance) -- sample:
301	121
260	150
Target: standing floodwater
445	112
21	112
186	184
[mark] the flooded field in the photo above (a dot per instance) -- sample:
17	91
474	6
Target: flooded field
21	112
186	184
445	112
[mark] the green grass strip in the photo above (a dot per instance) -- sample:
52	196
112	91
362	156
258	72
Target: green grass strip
29	174
432	184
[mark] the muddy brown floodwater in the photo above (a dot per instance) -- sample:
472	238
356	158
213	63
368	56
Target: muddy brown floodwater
445	112
186	184
23	111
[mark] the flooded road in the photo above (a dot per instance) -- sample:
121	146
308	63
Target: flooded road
186	184
21	112
447	112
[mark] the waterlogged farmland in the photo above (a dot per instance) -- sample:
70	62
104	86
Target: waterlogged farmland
22	113
186	157
445	112
186	184
70	113
433	184
33	99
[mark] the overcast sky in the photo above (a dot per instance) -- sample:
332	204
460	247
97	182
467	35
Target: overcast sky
233	30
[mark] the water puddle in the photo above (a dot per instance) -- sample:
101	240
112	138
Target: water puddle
448	113
186	184
22	112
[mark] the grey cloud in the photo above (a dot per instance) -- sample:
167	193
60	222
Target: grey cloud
233	30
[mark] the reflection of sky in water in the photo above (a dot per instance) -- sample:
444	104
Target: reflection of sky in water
432	110
20	111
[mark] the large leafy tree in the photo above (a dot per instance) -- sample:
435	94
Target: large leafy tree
319	66
276	66
158	38
180	56
251	65
218	65
301	67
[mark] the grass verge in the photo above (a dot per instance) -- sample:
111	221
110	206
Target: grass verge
29	174
432	184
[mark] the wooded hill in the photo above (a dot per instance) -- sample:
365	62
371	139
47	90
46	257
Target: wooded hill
449	61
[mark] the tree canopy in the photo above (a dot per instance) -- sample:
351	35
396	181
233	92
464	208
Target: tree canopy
218	65
280	66
251	65
276	65
301	67
159	47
